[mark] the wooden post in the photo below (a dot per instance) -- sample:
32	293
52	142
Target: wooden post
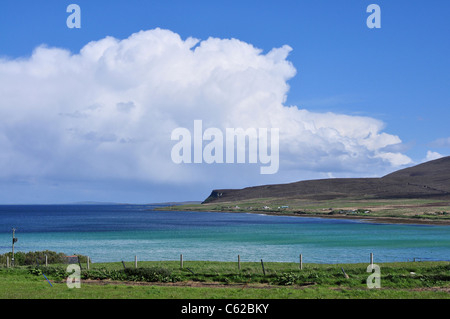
262	264
135	261
46	261
239	262
190	270
181	261
301	261
7	261
88	262
346	276
13	241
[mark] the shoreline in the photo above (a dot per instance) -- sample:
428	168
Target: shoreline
369	219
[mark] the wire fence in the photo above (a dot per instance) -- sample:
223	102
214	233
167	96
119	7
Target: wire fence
6	260
87	261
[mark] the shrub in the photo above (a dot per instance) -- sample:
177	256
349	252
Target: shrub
154	274
148	274
287	279
36	257
101	274
55	272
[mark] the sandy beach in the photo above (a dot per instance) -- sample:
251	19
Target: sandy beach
371	219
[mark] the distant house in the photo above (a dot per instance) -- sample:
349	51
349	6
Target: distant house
266	207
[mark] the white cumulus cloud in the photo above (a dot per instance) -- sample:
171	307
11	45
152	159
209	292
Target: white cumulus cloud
107	112
432	156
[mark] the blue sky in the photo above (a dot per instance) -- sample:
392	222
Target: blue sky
398	74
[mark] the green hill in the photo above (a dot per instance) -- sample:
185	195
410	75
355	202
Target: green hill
430	180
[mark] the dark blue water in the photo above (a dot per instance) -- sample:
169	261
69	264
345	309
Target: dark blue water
119	232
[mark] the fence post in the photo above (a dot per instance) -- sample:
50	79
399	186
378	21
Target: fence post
301	261
181	261
135	261
239	262
46	261
7	261
345	274
88	262
262	264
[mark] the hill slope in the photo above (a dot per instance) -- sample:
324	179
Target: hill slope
426	180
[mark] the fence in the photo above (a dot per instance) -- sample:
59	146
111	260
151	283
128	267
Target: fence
76	260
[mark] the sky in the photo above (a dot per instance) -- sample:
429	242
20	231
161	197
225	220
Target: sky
87	114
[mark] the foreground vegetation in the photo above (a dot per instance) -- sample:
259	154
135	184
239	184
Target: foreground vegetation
207	279
37	258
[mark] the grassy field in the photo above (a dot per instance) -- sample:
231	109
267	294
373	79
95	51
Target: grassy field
418	210
223	280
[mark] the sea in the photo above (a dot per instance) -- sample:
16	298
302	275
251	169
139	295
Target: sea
108	233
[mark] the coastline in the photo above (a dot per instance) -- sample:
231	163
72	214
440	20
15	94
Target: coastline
369	219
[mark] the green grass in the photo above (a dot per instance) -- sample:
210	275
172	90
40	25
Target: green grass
421	209
219	280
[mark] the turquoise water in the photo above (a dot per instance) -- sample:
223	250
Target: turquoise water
119	232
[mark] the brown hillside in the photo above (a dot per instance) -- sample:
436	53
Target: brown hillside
427	180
